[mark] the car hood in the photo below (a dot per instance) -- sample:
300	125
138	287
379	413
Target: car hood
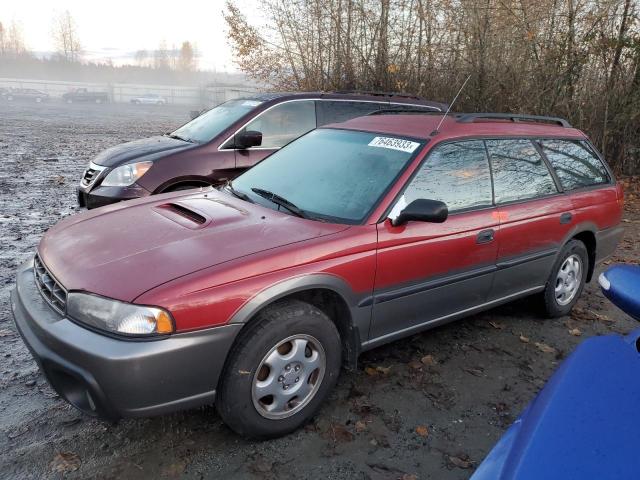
583	424
123	250
143	149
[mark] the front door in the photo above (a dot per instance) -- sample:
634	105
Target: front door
428	272
279	125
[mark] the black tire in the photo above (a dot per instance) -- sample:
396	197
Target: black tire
552	307
276	323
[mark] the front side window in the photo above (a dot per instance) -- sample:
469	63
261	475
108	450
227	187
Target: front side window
575	163
454	173
330	174
210	124
284	123
519	172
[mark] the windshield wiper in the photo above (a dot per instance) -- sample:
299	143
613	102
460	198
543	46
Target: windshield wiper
278	200
240	195
178	137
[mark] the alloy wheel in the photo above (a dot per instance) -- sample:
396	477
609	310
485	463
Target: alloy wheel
288	376
568	280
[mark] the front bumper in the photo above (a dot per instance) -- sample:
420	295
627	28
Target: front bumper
100	196
111	377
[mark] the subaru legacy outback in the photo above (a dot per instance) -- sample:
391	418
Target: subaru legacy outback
357	234
224	141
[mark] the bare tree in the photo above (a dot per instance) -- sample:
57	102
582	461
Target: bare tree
574	58
66	39
141	58
11	41
161	56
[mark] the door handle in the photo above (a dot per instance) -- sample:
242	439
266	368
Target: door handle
485	236
566	218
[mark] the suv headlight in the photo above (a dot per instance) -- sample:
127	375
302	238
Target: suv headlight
118	317
126	174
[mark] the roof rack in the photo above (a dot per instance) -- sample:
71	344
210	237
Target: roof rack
379	94
406	111
471	117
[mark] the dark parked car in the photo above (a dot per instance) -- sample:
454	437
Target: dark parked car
85	95
26	94
352	236
223	142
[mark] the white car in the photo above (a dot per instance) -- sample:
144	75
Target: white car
149	99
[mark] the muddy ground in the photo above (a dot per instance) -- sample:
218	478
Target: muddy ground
429	406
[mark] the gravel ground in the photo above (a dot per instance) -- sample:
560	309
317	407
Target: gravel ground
429	406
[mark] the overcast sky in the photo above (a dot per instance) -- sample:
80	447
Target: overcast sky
117	28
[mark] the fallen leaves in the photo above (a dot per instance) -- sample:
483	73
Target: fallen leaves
65	462
376	371
428	360
360	426
339	433
460	462
422	430
524	339
543	347
575	332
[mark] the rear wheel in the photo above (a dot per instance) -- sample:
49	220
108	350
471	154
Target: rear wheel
567	279
280	371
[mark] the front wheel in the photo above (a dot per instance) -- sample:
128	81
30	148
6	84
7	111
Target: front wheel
280	371
567	279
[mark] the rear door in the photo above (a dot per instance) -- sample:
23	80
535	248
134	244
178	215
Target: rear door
535	217
427	271
279	125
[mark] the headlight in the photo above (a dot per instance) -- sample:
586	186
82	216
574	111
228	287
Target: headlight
118	317
126	174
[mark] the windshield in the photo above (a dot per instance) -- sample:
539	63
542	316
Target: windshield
210	124
329	174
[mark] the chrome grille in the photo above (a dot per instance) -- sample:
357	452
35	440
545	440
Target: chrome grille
51	290
91	174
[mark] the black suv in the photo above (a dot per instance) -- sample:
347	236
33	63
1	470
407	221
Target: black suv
224	141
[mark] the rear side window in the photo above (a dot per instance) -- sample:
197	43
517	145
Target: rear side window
337	111
575	163
284	123
454	173
519	172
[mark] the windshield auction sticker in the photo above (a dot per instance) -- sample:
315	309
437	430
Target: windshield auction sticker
394	144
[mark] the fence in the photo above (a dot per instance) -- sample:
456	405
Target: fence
205	96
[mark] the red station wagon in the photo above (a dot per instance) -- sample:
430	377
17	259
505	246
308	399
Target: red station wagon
354	235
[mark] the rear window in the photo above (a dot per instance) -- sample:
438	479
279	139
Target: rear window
334	111
519	172
575	163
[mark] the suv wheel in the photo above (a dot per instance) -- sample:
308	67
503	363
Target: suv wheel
567	279
280	371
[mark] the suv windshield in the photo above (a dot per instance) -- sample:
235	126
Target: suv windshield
207	126
329	174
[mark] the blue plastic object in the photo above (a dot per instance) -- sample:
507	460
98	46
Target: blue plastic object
621	285
585	422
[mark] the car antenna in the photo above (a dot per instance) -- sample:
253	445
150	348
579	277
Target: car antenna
437	130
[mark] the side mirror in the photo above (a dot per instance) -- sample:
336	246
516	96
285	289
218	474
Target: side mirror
248	139
422	210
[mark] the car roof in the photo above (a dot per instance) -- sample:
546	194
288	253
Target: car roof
350	95
422	126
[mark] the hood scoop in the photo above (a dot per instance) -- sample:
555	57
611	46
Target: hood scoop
184	215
